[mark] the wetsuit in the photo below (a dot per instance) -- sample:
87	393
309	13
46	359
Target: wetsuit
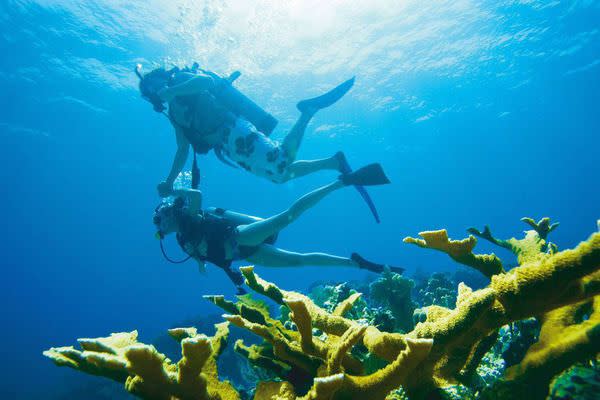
207	237
239	140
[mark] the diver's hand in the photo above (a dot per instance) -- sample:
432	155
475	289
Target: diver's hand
165	189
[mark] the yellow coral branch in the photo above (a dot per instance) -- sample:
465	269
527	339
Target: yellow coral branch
565	338
337	353
149	378
346	305
380	383
551	282
147	373
459	250
557	286
299	314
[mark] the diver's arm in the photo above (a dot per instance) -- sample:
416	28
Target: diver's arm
194	85
183	149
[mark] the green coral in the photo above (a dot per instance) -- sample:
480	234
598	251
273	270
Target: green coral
438	290
393	291
581	381
332	297
367	310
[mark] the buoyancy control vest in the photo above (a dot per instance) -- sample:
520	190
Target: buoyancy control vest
214	231
210	110
210	230
204	116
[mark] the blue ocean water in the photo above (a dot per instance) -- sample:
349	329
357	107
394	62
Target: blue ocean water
481	112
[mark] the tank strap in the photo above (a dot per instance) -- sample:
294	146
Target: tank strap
195	173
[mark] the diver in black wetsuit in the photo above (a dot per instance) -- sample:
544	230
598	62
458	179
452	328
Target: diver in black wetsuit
221	237
208	113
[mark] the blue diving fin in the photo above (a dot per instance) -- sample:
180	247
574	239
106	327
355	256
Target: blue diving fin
327	99
346	169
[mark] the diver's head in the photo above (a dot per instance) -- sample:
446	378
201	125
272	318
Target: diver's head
167	217
151	83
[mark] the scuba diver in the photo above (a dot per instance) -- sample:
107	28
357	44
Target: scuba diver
209	113
220	237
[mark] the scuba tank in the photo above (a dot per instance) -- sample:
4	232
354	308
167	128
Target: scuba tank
224	91
239	104
225	94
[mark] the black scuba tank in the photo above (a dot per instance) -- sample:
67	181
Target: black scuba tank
240	104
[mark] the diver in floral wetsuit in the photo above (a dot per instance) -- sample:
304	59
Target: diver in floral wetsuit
205	119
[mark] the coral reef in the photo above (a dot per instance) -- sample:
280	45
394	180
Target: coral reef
568	334
516	338
337	370
364	309
438	290
435	359
393	291
580	382
147	373
330	296
544	282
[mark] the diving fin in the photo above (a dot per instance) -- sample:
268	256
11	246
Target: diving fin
370	175
345	169
327	99
373	267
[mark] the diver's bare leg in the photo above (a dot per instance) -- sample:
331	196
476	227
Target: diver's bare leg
271	256
257	232
308	108
292	141
304	167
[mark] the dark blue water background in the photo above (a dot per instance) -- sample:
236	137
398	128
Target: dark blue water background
481	113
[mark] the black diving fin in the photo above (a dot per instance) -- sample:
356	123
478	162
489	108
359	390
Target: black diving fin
345	169
373	267
369	175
